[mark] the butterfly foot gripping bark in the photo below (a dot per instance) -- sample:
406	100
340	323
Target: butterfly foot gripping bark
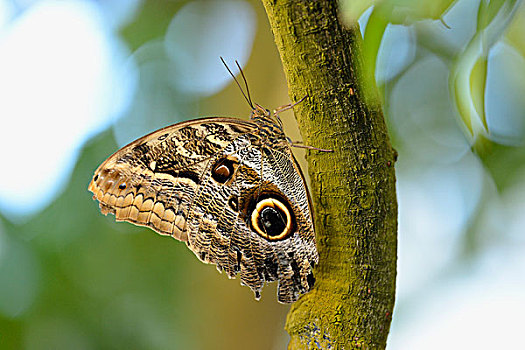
231	189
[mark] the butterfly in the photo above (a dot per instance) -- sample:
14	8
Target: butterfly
230	189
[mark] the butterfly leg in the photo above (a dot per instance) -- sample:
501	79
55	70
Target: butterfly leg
285	108
288	106
298	144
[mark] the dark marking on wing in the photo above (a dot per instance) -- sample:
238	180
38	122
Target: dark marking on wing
141	150
202	149
311	280
296	273
237	267
186	133
271	268
184	173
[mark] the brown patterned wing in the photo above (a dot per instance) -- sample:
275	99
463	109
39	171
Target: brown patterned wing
153	180
214	184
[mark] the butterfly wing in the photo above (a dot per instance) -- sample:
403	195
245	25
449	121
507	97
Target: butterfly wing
201	182
283	171
152	181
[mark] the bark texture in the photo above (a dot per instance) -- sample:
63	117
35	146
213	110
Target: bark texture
353	188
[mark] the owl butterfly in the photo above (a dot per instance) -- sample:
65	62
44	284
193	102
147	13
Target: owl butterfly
231	189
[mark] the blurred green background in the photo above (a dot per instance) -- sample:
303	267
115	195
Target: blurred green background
79	79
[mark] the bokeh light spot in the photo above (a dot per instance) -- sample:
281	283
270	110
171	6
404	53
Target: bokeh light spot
200	33
59	70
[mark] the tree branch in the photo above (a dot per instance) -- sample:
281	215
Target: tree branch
353	188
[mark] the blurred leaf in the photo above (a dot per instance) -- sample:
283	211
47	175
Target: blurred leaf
505	164
495	18
469	72
150	23
352	10
504	102
478	79
397	11
488	10
461	93
374	32
515	33
407	12
482	145
469	76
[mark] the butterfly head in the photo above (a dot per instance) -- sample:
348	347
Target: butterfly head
259	112
266	117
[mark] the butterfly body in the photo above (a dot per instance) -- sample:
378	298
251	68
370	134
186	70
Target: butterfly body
231	189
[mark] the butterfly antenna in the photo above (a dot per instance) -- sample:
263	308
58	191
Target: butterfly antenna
245	83
237	82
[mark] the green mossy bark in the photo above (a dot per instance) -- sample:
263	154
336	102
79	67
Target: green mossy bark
353	188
